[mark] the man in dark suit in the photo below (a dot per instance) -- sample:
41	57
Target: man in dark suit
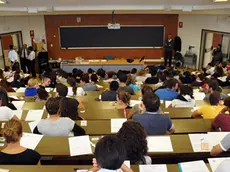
23	58
168	50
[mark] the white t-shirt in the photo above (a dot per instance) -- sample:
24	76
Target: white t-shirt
13	56
5	113
31	56
80	91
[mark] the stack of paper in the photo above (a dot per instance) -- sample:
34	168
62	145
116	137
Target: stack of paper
21	90
79	146
34	115
18	113
199	95
194	166
159	144
153	168
18	104
215	162
127	163
134	102
116	124
200	142
30	141
216	137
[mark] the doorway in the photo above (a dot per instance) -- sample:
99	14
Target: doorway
7	39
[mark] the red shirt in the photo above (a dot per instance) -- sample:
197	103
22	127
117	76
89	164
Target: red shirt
222	121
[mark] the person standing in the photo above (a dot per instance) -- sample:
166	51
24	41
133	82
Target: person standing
23	58
13	58
31	61
168	51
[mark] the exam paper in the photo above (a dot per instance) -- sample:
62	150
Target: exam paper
153	168
30	141
215	162
216	137
200	142
32	125
194	166
34	115
18	104
159	144
116	124
167	103
223	79
21	90
127	163
79	146
134	102
18	113
199	95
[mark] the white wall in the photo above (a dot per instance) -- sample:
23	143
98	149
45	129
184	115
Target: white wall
193	25
24	24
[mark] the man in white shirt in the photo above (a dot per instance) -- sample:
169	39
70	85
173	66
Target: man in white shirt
31	61
13	58
23	59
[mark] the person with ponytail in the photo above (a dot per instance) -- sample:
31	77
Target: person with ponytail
124	100
77	91
14	153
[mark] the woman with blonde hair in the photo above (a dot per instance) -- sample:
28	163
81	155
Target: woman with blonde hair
31	90
14	153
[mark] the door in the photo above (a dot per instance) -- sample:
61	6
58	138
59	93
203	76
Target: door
2	59
208	53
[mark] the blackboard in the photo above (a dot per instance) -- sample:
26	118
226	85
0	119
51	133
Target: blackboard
102	37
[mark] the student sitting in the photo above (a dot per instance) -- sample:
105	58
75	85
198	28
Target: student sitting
56	125
133	135
14	154
94	79
77	91
222	147
212	86
69	108
110	155
5	100
185	98
139	108
86	85
200	79
153	79
17	83
111	94
186	78
62	77
46	81
131	83
170	92
161	81
42	95
61	90
218	72
210	69
212	110
141	76
134	73
123	87
101	74
123	100
31	90
7	72
153	122
109	76
222	121
77	74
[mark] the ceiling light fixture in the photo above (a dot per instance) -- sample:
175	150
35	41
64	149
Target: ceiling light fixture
220	0
3	1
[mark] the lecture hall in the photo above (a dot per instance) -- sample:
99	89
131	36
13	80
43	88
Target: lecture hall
114	86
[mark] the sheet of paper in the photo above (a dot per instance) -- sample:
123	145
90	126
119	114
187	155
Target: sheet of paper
216	137
194	166
199	95
209	76
18	104
127	163
32	125
116	124
223	79
14	97
200	142
79	146
159	144
4	170
48	89
14	88
215	162
30	141
167	103
99	86
34	115
134	102
153	168
21	90
18	113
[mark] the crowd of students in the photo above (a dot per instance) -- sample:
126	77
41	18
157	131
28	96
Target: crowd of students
147	117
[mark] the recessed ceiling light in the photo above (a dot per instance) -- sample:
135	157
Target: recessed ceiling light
220	0
3	1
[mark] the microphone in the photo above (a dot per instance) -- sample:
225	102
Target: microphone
142	59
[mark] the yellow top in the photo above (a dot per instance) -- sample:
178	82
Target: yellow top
210	111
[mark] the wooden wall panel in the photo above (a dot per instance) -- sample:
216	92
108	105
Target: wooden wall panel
53	22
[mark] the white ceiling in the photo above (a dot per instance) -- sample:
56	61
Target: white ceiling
105	6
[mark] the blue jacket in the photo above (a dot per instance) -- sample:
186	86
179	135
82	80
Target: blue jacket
30	92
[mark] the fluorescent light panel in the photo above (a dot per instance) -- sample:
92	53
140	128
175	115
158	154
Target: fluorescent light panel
220	0
3	2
